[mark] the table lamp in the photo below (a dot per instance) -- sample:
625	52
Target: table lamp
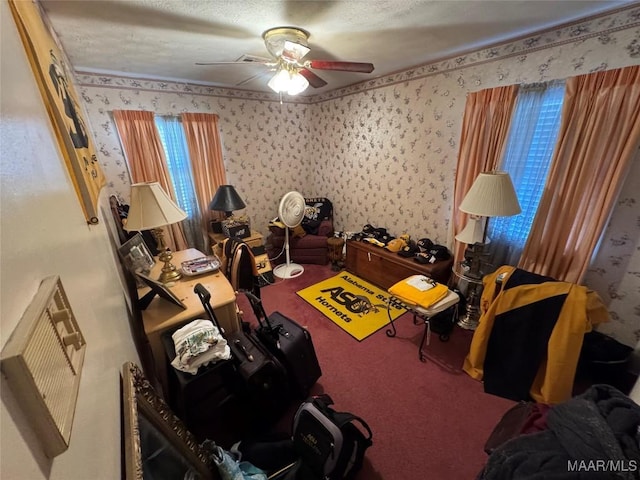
491	195
226	200
150	208
473	232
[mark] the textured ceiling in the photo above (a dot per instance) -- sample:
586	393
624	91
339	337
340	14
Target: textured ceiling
163	39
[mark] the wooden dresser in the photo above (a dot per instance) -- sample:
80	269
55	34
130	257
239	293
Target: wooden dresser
384	268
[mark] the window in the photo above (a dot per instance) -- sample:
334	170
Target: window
532	139
179	165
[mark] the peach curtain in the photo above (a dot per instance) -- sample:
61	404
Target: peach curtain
485	127
599	136
205	150
145	156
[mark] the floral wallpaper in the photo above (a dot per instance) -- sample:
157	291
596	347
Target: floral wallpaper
385	150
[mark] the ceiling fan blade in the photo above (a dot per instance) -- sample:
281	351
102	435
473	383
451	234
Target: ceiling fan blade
236	63
342	66
314	80
250	79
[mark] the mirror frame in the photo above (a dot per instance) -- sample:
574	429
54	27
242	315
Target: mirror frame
140	398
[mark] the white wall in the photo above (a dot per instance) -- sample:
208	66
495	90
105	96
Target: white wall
43	232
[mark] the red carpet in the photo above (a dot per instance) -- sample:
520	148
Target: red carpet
429	420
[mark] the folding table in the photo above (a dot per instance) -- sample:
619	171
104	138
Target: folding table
447	305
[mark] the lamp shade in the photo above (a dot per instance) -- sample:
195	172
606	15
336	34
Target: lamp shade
150	207
226	200
491	195
473	232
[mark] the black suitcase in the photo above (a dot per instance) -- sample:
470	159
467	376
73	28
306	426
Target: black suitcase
264	378
211	403
291	344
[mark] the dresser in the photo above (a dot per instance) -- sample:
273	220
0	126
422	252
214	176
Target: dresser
384	268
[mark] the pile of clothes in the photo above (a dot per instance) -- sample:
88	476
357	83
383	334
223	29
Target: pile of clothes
593	435
198	343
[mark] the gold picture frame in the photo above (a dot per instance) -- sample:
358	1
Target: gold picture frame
154	438
62	104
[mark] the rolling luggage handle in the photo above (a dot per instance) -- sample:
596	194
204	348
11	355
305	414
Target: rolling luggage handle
205	298
261	315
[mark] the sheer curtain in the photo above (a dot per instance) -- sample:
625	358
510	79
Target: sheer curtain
599	136
205	149
484	132
145	157
177	154
532	138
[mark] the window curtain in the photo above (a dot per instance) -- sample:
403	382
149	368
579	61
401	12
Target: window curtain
484	132
177	155
205	149
599	135
532	138
145	156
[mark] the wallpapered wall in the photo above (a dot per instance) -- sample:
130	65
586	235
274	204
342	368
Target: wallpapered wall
385	150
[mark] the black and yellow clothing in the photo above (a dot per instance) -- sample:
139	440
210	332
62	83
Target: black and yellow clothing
529	338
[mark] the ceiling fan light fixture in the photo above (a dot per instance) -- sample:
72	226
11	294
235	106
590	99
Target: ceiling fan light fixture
298	84
294	51
275	39
288	82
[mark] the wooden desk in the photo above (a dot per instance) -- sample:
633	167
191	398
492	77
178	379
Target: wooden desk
162	315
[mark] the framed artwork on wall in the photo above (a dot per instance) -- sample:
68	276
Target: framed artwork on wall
61	102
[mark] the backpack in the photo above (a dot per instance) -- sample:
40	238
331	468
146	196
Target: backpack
329	444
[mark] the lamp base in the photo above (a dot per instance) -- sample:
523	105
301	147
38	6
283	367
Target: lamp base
169	271
470	319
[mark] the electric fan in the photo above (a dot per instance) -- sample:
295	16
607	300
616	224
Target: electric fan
291	213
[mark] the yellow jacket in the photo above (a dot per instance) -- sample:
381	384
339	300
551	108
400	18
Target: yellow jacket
581	310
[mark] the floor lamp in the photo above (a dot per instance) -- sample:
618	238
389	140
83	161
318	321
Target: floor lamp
150	208
491	195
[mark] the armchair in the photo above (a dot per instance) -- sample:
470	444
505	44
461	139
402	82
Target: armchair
308	242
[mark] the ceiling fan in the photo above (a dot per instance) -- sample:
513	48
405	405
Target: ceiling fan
288	46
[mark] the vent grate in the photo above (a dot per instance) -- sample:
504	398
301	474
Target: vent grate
42	361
